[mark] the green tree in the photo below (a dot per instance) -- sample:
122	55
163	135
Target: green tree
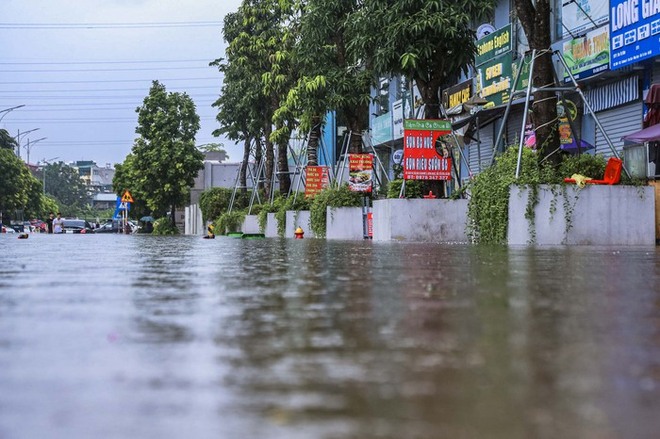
428	41
331	76
166	160
535	20
14	182
7	141
125	179
64	184
241	99
255	35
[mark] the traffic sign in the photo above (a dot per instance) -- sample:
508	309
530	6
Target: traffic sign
127	198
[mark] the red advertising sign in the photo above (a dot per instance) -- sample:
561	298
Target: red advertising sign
360	172
423	156
316	179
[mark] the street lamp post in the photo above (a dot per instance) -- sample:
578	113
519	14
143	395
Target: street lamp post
43	170
18	139
30	146
8	110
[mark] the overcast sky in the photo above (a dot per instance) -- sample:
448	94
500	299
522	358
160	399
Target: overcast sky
82	67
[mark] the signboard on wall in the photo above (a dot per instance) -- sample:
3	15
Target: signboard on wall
580	15
523	80
588	55
493	45
457	94
634	31
360	172
381	129
397	119
423	158
495	79
317	178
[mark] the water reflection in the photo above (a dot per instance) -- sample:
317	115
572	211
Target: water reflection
315	339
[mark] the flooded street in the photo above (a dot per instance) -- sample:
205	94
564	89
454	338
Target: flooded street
112	336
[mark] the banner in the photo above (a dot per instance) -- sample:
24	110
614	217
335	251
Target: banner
588	55
317	178
634	31
360	172
579	15
424	158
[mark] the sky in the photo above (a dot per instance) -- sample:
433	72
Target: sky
79	69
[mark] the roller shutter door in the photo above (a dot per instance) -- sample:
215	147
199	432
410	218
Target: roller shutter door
513	126
480	153
617	122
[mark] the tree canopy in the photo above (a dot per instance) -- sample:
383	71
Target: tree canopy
6	140
164	160
428	41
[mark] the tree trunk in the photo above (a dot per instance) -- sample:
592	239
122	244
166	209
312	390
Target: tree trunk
535	20
430	92
258	155
173	214
313	144
283	167
356	119
270	160
244	165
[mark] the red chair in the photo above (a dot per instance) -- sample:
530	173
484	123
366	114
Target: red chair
612	173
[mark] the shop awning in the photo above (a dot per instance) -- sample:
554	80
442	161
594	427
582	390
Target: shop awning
650	134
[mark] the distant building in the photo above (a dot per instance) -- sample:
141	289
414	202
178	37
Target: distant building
97	179
214	174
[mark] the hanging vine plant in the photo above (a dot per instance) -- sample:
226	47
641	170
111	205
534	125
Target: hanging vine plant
488	208
331	197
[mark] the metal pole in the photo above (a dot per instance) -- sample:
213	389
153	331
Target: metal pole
527	97
508	107
591	111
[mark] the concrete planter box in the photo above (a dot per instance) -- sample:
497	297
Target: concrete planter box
420	220
344	223
295	219
271	226
598	215
250	224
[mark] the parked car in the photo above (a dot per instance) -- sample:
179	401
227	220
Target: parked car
77	226
115	226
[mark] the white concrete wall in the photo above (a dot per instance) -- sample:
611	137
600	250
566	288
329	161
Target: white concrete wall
193	224
602	215
250	224
271	226
344	223
295	219
420	220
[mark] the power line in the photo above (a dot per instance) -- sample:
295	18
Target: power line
93	97
49	63
109	25
87	105
128	69
86	120
105	89
107	80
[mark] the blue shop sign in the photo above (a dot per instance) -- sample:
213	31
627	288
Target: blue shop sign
634	31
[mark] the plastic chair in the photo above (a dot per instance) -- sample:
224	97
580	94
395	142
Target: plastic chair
612	173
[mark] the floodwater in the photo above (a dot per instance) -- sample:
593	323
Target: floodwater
113	336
